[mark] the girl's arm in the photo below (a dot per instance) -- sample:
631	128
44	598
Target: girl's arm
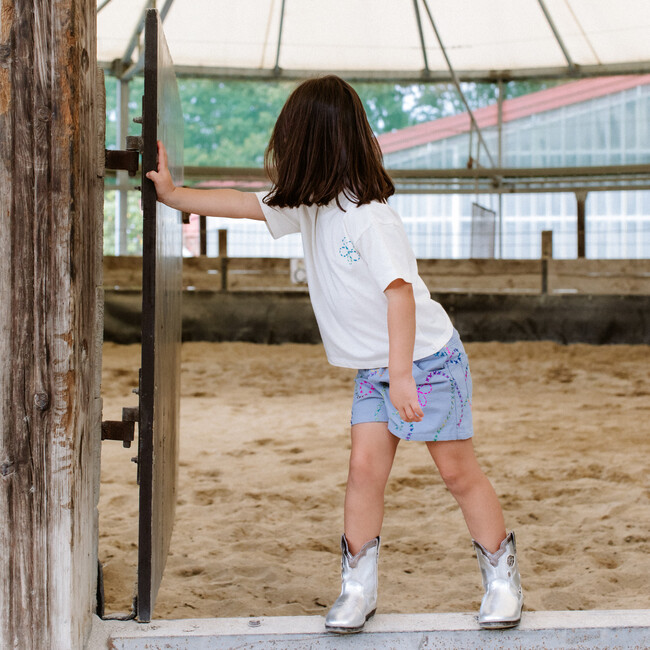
210	203
401	339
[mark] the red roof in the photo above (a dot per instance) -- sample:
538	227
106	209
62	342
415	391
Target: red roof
513	109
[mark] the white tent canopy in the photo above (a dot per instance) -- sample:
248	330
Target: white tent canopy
385	39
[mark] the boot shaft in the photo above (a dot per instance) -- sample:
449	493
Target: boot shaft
501	565
360	571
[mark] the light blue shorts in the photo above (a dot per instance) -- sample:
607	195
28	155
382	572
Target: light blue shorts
444	388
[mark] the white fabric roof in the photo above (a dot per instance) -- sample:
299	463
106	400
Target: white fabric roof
381	39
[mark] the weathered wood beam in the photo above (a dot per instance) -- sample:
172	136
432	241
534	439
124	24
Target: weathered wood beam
50	272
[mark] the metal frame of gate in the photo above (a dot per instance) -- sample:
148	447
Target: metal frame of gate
158	413
162	119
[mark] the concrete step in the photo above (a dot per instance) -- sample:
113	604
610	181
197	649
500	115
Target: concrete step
547	630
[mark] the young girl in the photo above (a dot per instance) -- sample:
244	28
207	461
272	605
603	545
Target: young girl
376	315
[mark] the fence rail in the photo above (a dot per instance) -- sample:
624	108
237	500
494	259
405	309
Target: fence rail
583	276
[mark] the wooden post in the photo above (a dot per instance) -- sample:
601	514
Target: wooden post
547	254
203	235
50	338
223	242
547	244
223	255
581	199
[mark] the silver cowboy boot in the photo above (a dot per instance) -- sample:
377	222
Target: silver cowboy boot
358	599
503	600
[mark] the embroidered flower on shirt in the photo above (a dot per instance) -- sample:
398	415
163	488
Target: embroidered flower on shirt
348	251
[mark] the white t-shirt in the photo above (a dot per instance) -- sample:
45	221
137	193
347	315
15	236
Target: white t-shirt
351	256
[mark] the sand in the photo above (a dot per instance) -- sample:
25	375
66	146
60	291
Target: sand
562	432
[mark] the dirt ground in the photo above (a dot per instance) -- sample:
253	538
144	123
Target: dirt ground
562	432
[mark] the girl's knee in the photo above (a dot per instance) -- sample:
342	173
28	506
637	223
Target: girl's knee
457	465
460	477
452	476
365	470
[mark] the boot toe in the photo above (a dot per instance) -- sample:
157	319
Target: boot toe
346	617
498	624
500	609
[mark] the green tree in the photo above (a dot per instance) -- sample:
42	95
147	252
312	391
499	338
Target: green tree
386	105
228	123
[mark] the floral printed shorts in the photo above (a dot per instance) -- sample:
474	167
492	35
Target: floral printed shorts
444	387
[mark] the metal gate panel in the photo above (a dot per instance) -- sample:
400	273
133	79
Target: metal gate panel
162	119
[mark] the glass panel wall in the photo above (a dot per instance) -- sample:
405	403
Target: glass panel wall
609	130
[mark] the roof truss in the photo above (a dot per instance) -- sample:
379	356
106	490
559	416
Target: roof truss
402	77
567	27
479	180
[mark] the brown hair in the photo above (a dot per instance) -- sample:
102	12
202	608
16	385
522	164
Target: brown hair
322	146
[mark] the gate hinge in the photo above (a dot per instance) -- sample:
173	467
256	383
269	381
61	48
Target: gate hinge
128	158
123	429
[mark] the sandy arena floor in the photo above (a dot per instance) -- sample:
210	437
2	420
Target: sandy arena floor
562	431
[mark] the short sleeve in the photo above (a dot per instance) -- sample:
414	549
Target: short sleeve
387	252
279	221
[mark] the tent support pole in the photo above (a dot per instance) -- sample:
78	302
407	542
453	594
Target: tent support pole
456	83
418	18
276	67
558	38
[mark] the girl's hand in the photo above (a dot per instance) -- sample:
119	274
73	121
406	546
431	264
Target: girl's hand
211	203
162	179
404	396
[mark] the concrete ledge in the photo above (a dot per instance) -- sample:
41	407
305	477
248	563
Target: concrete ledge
547	630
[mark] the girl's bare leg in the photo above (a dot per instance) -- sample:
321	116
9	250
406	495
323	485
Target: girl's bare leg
371	459
468	484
